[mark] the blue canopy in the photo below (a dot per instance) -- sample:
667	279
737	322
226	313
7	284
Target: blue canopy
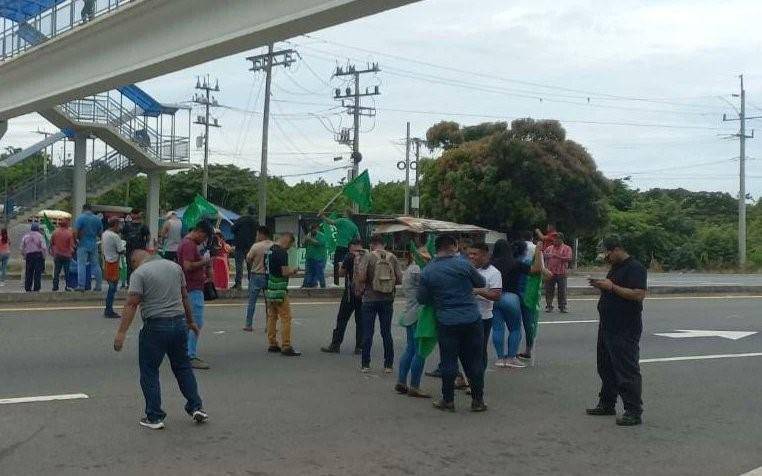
150	106
22	10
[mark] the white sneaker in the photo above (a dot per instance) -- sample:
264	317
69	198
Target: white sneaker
200	416
144	422
365	370
515	364
501	364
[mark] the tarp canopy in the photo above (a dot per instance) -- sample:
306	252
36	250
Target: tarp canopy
224	214
422	225
149	105
22	10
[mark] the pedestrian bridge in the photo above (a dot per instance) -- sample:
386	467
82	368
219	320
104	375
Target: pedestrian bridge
52	53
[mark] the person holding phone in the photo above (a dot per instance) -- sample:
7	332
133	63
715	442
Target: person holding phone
621	324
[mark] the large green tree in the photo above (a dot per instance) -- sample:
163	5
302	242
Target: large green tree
515	178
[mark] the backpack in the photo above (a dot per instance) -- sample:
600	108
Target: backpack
384	277
359	268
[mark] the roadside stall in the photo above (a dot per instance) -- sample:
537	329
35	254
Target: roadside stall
400	231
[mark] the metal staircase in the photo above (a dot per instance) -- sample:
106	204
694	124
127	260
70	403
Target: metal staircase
44	191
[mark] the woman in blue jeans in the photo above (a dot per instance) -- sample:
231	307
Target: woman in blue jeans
411	361
507	311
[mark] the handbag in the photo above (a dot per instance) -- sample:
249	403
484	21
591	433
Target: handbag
210	292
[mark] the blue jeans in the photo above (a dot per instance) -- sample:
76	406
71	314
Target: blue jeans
257	282
3	266
59	264
110	295
384	310
411	362
314	273
196	298
507	313
85	256
159	338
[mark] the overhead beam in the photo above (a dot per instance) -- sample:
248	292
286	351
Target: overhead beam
150	38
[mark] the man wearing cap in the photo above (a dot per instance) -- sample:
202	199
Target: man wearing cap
621	324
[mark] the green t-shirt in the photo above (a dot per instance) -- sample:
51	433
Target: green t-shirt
346	231
316	249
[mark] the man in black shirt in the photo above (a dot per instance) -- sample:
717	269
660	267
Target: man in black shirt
276	295
136	235
620	308
350	303
244	233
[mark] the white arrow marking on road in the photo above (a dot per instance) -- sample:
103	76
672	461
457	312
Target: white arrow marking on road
43	398
683	333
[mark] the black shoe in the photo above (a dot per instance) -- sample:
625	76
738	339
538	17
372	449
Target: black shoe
435	374
200	416
549	309
154	425
478	406
600	410
444	406
290	352
629	420
330	349
111	315
524	356
358	350
563	311
274	349
400	388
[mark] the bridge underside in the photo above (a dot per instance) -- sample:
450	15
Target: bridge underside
154	37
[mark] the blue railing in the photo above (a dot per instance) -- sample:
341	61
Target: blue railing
16	38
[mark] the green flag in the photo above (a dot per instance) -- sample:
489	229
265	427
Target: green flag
358	190
198	210
532	296
47	228
329	234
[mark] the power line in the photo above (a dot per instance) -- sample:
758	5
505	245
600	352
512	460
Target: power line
317	172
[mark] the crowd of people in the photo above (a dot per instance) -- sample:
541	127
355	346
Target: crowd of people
462	297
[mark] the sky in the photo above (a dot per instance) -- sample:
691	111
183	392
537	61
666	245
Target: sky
643	85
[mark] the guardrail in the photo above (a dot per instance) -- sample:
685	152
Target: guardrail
16	38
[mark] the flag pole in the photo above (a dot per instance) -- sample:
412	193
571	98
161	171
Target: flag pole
331	202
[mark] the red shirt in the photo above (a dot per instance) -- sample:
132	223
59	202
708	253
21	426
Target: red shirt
557	258
188	251
62	243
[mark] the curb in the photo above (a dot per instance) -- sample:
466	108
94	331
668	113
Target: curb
336	293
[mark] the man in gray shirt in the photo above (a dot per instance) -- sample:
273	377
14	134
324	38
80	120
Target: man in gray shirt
378	274
158	287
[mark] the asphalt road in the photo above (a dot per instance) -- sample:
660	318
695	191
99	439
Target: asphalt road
319	415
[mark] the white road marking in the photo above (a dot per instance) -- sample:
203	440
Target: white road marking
43	398
587	321
754	472
688	333
701	357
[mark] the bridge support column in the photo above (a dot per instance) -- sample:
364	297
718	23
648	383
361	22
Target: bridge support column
79	180
152	205
3	128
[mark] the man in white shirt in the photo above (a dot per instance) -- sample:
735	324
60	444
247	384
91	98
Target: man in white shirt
113	248
478	254
171	235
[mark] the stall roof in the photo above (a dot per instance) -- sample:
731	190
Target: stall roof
423	225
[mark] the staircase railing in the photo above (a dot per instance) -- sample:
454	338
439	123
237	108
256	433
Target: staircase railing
127	119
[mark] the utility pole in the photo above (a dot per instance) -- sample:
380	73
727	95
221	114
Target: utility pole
208	101
45	162
265	62
418	143
355	109
406	167
742	172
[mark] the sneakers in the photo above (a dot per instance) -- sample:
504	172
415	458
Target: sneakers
111	315
434	373
478	406
248	329
365	370
274	349
515	363
290	352
444	406
524	356
330	349
629	419
200	416
563	311
501	363
197	363
600	410
416	393
154	425
549	309
401	388
388	370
